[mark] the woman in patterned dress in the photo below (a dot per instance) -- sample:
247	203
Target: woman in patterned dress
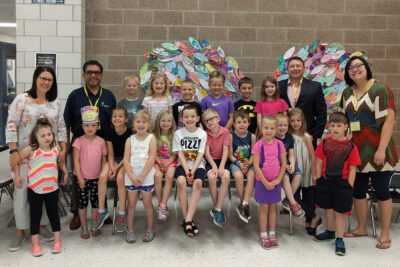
369	105
40	101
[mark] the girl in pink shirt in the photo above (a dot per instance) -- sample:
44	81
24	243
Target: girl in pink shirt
270	103
269	163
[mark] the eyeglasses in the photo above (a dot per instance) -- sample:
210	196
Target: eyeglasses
211	119
44	79
90	73
356	67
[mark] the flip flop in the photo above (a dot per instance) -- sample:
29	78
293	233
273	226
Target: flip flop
383	244
352	234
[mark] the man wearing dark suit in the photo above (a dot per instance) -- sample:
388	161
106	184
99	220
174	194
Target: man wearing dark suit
299	92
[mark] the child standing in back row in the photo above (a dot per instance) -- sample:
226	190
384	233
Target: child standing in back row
337	161
132	103
246	102
218	101
269	162
270	103
188	91
158	98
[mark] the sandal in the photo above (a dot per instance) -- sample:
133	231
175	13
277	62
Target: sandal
195	228
383	244
353	234
187	228
85	233
96	232
265	242
273	241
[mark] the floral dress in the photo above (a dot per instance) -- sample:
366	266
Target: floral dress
371	113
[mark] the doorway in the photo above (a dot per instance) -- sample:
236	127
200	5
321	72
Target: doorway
7	84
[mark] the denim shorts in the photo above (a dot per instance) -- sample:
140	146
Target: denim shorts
143	188
235	168
296	172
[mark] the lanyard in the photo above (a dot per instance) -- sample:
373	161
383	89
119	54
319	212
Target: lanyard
365	89
296	91
90	101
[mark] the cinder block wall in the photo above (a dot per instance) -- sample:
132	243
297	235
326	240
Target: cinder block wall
256	32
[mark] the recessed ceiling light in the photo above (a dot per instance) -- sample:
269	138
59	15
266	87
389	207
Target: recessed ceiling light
8	25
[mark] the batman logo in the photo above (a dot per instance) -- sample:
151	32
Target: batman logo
249	110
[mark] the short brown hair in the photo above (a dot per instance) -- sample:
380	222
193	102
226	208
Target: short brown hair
241	114
245	80
338	117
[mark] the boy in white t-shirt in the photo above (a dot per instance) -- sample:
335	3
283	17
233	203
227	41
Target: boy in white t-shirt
189	143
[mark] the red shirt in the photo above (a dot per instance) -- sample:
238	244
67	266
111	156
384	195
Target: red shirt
217	142
335	153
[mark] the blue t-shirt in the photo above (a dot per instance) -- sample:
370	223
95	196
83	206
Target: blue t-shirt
288	142
241	147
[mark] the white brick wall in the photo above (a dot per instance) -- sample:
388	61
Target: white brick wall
51	28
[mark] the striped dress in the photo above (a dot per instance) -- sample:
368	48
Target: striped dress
303	160
43	171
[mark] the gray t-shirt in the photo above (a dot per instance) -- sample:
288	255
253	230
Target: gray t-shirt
132	107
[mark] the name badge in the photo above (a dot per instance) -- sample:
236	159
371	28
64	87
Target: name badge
355	126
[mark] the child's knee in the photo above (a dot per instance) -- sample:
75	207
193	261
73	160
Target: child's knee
238	175
212	177
226	177
197	184
181	182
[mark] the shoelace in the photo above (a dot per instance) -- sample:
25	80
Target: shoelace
121	219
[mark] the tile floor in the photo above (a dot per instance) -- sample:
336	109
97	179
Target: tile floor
236	244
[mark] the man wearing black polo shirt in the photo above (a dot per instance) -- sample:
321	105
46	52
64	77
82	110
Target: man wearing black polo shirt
91	94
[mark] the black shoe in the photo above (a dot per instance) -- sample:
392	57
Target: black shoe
108	220
246	211
240	211
312	230
325	236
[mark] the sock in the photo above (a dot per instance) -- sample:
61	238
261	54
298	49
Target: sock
244	203
217	209
263	234
101	211
271	233
122	213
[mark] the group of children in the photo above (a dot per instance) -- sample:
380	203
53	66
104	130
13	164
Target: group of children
263	145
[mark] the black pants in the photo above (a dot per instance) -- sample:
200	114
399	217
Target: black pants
307	201
35	206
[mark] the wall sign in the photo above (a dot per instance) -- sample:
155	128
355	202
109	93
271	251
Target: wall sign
48	1
46	59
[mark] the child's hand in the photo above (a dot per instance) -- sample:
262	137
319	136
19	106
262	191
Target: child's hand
163	167
290	168
18	181
190	178
215	170
270	186
65	177
221	171
82	183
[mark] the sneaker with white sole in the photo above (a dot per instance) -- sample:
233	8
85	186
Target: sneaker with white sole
17	243
120	225
99	219
46	235
240	213
148	235
130	237
162	213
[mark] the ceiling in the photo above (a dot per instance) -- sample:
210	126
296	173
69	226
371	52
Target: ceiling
7	14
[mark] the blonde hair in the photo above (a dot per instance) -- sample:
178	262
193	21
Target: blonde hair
143	115
280	116
303	128
268	118
131	78
188	82
216	75
207	112
155	77
157	128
